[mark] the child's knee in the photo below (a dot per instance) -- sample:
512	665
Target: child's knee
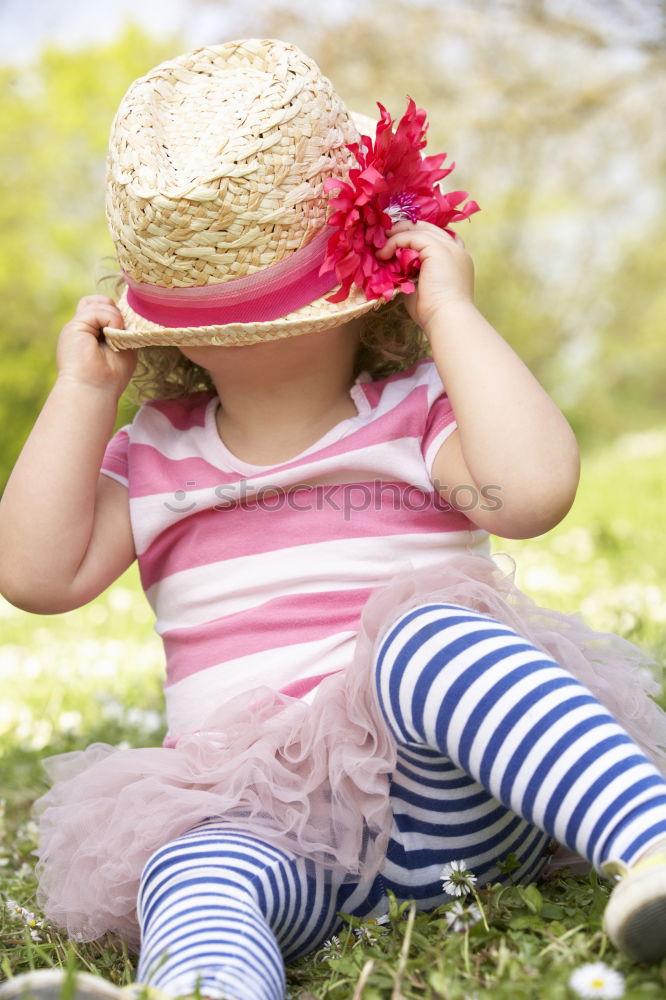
417	626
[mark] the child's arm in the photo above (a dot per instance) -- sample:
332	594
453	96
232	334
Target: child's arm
511	440
64	528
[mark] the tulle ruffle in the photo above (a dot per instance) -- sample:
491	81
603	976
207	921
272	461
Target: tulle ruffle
312	778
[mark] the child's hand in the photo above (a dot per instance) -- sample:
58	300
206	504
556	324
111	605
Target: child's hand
447	271
82	353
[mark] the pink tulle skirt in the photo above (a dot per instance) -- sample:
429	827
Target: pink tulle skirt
312	778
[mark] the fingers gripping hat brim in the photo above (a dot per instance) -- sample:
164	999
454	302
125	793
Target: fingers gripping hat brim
216	172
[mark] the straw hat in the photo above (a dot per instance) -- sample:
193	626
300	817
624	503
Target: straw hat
215	175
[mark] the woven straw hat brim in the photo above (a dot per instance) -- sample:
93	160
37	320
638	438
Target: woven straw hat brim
316	317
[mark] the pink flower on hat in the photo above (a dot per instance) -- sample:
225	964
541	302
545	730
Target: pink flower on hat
392	182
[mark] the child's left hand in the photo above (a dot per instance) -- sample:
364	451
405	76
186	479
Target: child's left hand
447	270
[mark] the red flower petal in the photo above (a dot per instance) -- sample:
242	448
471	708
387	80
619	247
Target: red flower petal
391	175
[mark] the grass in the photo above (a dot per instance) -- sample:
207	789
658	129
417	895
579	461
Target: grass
95	674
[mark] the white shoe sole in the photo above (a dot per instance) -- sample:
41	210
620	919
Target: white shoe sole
56	984
635	917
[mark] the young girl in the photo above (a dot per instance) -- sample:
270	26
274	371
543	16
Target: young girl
357	696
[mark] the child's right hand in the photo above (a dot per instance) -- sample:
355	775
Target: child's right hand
84	357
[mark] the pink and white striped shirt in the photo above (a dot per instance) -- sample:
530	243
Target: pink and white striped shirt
258	574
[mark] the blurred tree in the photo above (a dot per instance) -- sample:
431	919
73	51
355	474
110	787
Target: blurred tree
54	120
628	389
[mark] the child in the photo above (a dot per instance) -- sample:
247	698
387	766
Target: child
356	695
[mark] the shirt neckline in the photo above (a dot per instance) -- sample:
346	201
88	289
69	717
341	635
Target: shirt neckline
233	463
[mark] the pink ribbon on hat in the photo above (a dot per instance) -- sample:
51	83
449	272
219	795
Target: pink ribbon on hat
269	294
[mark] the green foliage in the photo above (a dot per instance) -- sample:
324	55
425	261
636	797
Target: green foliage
602	560
54	119
527	945
631	392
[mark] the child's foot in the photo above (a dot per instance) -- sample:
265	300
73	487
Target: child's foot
54	984
635	917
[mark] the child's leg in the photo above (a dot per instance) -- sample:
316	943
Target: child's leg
534	739
220	909
441	814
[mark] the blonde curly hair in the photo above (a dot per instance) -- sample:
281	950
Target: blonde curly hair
390	342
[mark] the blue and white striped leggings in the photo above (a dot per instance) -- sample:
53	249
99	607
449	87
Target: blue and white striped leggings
500	749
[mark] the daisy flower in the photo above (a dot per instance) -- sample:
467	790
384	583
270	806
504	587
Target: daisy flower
26	917
597	980
329	948
457	879
460	917
365	935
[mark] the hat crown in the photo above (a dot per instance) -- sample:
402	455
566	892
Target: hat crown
217	162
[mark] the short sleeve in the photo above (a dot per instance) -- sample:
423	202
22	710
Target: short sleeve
440	424
114	463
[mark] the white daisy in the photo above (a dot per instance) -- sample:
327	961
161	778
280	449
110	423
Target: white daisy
596	979
456	878
329	948
27	917
364	934
459	917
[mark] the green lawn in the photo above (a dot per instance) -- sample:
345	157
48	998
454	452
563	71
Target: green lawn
94	674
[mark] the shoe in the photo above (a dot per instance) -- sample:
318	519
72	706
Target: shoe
60	984
635	917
